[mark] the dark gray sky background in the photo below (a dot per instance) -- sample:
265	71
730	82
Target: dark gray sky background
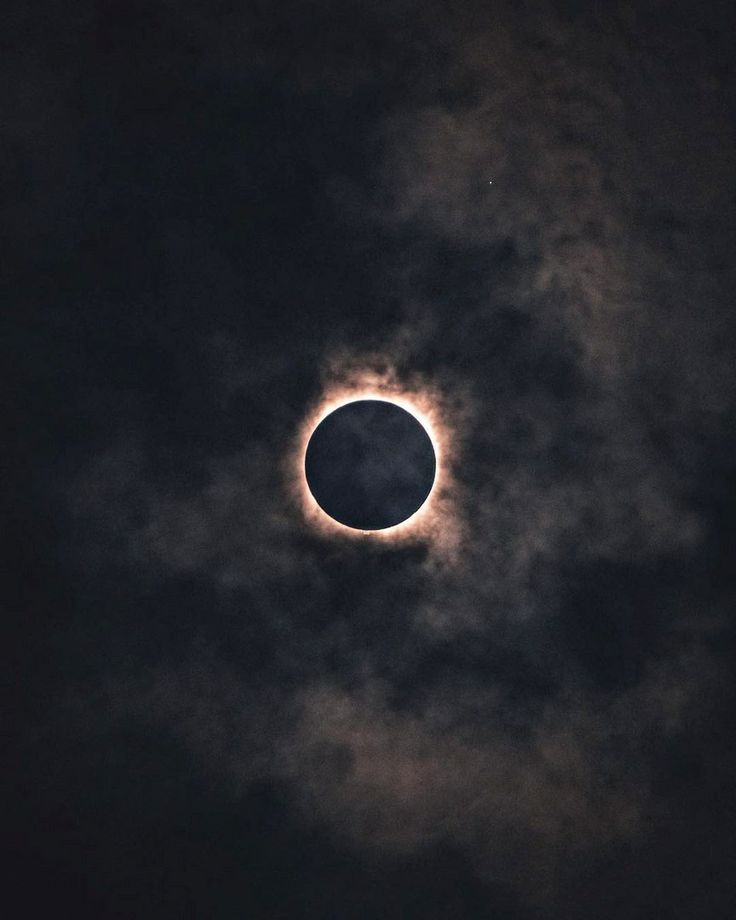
215	216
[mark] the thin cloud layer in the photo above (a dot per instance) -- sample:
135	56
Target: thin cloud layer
507	679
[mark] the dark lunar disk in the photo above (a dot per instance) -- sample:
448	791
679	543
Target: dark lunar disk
370	464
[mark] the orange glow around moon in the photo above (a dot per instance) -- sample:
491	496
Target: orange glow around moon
434	516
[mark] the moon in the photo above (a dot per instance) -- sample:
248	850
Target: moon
370	464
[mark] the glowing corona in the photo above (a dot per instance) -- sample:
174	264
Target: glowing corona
417	402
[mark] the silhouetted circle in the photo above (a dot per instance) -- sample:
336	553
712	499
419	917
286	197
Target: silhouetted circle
370	464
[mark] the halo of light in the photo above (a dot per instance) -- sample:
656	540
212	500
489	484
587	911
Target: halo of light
418	402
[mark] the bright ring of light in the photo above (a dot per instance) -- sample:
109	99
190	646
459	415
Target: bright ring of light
416	404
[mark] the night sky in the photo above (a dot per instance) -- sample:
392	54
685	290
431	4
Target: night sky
218	217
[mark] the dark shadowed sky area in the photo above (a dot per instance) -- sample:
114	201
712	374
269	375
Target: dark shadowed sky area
216	218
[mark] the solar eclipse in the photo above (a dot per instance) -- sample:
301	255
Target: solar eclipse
370	464
359	381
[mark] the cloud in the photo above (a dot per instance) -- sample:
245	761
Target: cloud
533	794
575	370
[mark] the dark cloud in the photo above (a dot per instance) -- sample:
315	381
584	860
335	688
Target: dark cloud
221	218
